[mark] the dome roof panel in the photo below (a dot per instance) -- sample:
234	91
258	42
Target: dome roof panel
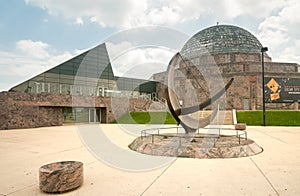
221	39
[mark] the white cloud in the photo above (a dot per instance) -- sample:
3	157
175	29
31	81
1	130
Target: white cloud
138	62
280	32
104	12
279	29
79	21
256	8
273	38
29	59
33	49
290	54
132	13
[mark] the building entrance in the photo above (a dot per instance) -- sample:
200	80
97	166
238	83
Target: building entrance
97	115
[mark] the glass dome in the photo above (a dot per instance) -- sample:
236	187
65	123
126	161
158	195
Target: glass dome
221	39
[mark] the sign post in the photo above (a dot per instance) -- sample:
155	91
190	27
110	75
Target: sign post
263	49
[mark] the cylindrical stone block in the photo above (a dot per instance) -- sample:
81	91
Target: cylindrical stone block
60	177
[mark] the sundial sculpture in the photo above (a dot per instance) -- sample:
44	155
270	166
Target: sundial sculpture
193	144
181	114
194	83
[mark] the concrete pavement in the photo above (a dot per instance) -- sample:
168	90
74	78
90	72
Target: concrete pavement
276	171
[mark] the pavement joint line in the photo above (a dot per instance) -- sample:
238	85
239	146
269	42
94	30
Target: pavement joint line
92	162
23	188
272	137
62	151
70	149
274	189
158	176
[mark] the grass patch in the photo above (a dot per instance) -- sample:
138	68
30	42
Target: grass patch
146	118
273	118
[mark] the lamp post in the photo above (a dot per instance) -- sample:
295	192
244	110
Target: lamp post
263	49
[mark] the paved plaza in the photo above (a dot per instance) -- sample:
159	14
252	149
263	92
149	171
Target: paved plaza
275	171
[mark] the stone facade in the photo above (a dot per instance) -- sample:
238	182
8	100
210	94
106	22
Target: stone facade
245	92
19	110
30	110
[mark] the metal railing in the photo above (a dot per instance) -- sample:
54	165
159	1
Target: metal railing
181	134
239	135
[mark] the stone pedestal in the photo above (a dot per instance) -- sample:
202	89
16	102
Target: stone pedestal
60	177
199	146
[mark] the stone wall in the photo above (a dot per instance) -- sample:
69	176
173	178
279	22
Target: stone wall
17	111
238	57
50	116
274	67
30	110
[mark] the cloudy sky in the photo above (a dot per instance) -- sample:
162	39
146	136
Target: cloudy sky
36	35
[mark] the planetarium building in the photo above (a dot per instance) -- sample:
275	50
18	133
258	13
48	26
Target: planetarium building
236	53
81	89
